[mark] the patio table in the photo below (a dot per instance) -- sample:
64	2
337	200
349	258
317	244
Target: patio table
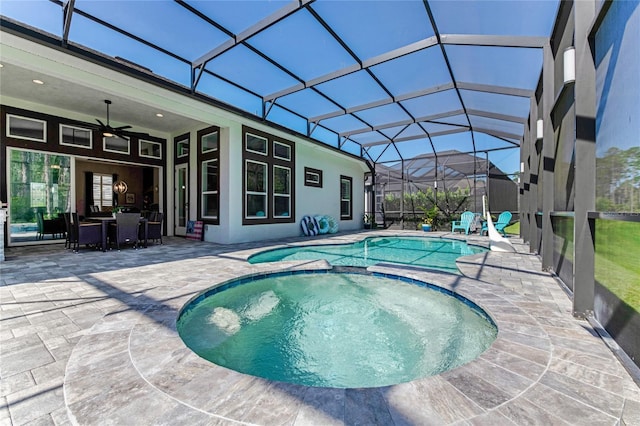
110	219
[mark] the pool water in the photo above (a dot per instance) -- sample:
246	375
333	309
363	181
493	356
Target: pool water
433	253
338	330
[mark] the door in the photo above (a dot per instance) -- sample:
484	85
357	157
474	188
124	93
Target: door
181	200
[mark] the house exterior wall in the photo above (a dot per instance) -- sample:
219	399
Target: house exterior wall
308	200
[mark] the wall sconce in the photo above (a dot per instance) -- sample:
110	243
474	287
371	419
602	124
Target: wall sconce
522	167
569	65
540	128
435	184
120	187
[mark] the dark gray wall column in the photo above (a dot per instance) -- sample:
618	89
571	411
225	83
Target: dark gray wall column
534	179
585	155
548	157
524	183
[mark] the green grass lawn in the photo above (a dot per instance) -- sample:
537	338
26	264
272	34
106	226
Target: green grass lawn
616	260
513	229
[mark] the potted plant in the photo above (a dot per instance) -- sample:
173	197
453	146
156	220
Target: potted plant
369	221
429	219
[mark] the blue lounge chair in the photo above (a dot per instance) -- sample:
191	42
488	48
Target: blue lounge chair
501	223
464	223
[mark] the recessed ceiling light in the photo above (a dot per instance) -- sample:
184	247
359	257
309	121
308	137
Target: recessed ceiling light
159	115
38	81
1	66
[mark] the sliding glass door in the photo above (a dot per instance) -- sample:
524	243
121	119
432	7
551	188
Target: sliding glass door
39	192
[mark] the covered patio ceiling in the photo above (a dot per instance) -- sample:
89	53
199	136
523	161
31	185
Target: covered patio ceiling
387	80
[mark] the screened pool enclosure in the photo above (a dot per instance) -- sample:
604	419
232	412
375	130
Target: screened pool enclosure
533	104
387	81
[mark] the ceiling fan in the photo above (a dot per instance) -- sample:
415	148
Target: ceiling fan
121	131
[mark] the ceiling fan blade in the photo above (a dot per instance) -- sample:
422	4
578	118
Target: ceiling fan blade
121	135
138	134
122	127
101	123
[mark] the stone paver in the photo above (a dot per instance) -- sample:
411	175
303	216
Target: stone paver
90	338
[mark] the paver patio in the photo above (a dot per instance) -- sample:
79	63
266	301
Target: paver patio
90	338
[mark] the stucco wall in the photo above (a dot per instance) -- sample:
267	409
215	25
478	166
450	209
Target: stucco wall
309	200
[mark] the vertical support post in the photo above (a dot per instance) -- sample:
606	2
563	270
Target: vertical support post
435	192
585	158
534	179
548	157
475	180
488	182
402	194
524	184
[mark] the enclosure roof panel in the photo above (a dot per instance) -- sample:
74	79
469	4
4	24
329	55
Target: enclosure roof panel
405	71
521	18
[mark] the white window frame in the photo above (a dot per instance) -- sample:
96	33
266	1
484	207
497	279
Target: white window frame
143	141
180	142
281	195
313	178
266	144
214	192
35	120
287	146
265	193
315	175
349	215
202	142
104	146
62	126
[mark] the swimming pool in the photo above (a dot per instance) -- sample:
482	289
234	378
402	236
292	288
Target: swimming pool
342	330
436	253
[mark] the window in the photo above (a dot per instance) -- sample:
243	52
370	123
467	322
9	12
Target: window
116	144
282	151
281	191
269	183
312	177
256	189
210	187
26	128
182	148
345	198
150	149
209	171
209	142
76	136
102	190
255	143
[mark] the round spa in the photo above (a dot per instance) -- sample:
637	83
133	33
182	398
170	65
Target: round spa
341	330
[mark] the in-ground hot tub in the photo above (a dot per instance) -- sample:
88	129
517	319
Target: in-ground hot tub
328	329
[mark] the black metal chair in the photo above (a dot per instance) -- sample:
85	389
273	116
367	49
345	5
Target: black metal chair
125	230
85	233
69	230
48	226
154	226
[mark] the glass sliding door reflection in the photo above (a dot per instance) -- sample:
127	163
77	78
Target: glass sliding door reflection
39	192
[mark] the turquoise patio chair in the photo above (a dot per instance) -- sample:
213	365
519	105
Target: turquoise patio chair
464	223
501	223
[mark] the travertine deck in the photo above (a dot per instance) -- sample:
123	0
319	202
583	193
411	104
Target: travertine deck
90	338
